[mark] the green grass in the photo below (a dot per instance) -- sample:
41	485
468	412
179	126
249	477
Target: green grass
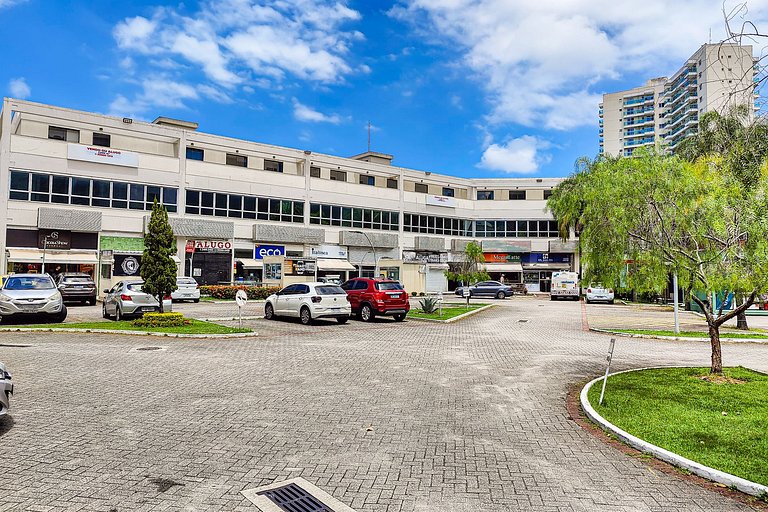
448	312
754	334
676	410
194	327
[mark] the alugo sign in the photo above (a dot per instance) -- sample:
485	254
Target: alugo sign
209	246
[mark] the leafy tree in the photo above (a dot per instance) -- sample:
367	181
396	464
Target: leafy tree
670	215
469	270
157	268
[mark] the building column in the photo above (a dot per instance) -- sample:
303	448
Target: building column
5	155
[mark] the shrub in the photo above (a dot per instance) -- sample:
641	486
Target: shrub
428	305
161	320
229	291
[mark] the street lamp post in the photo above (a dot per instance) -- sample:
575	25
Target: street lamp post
45	246
375	259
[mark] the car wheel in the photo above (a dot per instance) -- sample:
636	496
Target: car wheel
305	316
551	297
92	301
342	319
118	314
60	316
104	313
588	301
366	313
269	312
196	301
500	295
400	317
610	302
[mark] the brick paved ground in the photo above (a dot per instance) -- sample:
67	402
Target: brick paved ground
409	416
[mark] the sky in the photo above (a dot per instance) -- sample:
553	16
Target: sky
471	88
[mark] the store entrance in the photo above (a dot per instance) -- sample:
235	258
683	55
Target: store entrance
209	268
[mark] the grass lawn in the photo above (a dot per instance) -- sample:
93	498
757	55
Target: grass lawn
448	312
722	426
195	327
753	334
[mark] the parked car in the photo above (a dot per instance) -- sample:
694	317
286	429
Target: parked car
77	286
598	293
309	301
126	299
188	289
31	294
486	289
6	390
565	285
370	298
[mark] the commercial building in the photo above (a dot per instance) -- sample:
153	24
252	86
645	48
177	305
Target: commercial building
78	187
666	110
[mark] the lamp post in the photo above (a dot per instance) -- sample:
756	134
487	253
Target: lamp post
375	259
45	246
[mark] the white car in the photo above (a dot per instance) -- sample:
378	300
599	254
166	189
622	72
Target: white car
597	293
188	289
309	301
6	390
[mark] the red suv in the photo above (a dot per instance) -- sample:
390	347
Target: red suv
371	297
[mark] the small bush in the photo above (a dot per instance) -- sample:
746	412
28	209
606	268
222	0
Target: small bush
227	292
428	305
161	320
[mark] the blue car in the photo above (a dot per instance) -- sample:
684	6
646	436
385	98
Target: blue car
486	289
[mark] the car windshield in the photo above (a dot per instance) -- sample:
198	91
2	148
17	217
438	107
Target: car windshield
329	290
86	280
29	283
389	285
134	287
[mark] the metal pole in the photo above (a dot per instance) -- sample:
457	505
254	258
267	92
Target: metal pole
676	307
45	246
607	369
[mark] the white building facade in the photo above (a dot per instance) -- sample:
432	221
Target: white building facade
77	188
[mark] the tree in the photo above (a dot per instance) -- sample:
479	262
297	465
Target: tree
468	271
157	268
670	215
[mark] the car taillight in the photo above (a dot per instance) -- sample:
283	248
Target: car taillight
610	290
316	299
166	297
125	297
589	290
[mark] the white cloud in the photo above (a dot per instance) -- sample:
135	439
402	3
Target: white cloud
540	61
157	92
516	156
19	88
10	3
307	114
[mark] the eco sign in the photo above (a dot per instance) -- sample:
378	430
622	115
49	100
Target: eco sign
268	250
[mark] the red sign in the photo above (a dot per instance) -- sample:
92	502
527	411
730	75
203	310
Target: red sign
208	246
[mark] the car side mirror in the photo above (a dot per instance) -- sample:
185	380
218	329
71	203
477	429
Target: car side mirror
106	291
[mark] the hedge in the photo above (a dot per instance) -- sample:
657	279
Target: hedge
161	320
229	291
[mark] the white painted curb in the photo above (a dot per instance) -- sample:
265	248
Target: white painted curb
677	338
130	333
455	318
701	470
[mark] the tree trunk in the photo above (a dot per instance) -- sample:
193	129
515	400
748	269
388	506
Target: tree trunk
741	318
717	354
160	300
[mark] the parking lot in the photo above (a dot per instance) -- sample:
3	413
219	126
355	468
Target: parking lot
387	416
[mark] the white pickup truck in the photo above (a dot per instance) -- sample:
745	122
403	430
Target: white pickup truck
564	285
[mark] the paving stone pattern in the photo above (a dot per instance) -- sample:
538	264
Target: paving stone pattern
388	416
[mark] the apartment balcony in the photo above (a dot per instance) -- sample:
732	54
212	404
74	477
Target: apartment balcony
635	133
689	123
639	142
639	122
633	112
638	101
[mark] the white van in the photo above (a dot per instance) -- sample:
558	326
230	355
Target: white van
564	285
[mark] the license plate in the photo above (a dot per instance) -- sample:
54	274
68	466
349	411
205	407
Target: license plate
29	307
147	309
394	295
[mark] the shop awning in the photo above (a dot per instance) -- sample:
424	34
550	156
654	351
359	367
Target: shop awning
437	266
335	265
503	267
251	263
35	256
547	266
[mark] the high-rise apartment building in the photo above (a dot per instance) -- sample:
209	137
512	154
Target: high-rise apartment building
666	110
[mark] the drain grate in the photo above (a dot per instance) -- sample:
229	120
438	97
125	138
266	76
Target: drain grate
523	320
149	348
293	498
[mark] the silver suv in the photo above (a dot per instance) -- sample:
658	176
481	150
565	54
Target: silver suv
6	390
31	294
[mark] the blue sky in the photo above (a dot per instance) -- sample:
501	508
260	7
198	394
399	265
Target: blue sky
483	88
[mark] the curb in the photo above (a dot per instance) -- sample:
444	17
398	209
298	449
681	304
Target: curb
696	468
762	341
455	318
131	333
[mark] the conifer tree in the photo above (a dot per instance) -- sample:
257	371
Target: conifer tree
158	270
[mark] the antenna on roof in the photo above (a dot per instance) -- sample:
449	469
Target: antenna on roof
369	136
710	35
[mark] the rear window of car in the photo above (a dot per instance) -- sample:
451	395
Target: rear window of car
134	287
329	290
389	286
28	283
187	280
87	280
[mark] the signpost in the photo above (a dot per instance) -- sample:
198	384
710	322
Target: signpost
440	302
242	299
607	369
466	294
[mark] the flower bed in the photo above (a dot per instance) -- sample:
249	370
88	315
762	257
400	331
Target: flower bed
227	292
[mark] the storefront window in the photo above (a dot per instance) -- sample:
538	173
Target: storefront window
273	271
333	215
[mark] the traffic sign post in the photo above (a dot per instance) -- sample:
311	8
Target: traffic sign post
440	303
466	294
607	369
241	298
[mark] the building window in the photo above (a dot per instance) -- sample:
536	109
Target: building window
237	160
102	139
237	206
422	188
66	134
516	229
314	172
367	180
338	175
517	195
195	154
273	165
449	192
48	188
391	182
430	224
346	216
485	195
547	194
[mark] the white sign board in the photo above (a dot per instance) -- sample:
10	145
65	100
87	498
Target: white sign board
241	298
100	155
329	251
449	202
465	292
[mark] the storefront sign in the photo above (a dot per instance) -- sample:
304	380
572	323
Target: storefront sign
424	257
208	246
501	257
545	257
329	251
446	201
127	265
102	155
55	239
268	250
499	246
299	267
